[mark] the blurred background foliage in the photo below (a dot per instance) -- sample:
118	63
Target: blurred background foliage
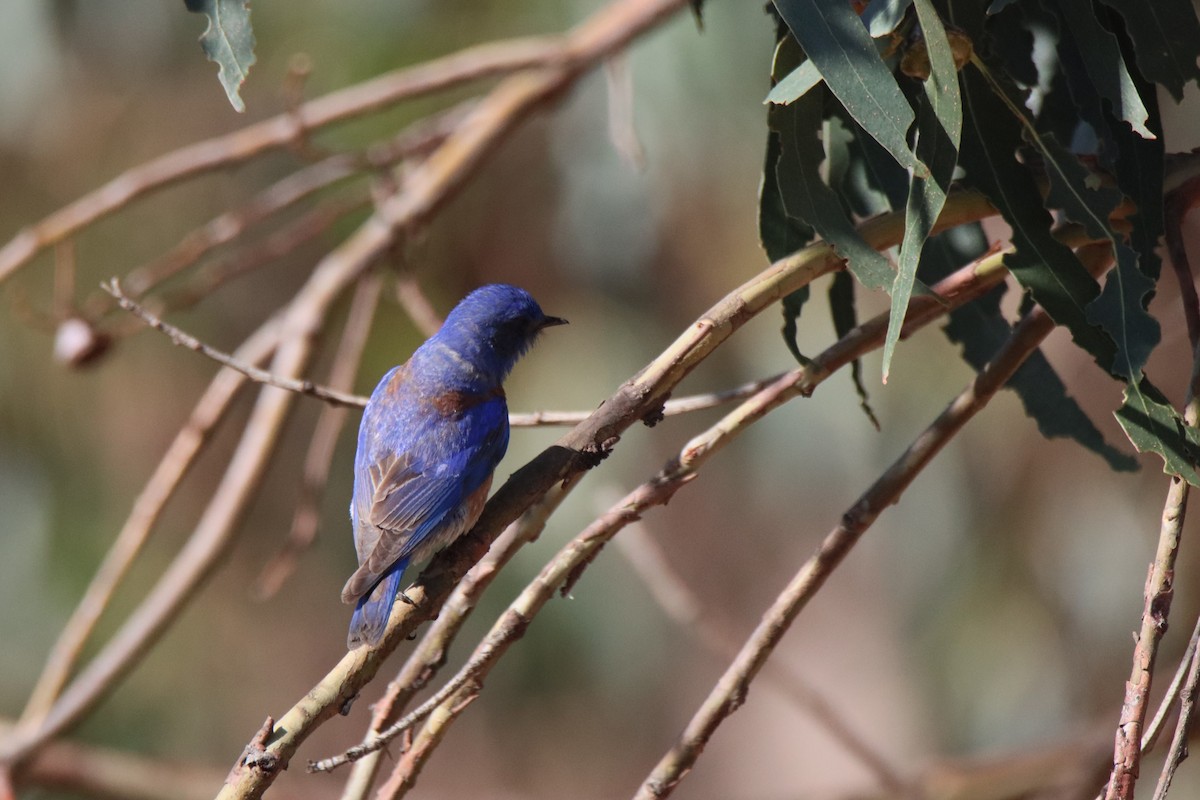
986	614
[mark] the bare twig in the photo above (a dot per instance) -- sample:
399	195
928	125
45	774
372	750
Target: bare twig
101	772
415	140
276	133
1160	583
273	248
324	439
1167	704
416	304
182	339
684	606
1187	710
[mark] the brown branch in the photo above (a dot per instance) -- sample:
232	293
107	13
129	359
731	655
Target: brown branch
108	774
278	132
214	531
178	337
329	425
687	609
1187	710
415	140
1159	591
416	304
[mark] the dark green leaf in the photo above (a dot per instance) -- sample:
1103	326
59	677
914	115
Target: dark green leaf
1154	426
1041	263
806	197
980	328
1105	64
780	234
793	304
939	130
836	42
228	41
872	172
1166	40
845	317
1121	307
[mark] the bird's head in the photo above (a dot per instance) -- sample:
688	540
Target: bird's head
492	327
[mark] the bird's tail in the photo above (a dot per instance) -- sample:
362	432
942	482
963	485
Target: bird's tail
373	609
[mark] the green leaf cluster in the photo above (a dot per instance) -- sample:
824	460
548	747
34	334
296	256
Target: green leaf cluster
895	105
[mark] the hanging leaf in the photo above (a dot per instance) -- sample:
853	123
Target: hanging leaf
1121	307
228	41
1154	426
1105	64
838	45
845	317
806	197
1166	40
939	131
1041	263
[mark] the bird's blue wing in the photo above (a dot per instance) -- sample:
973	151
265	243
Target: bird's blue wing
402	498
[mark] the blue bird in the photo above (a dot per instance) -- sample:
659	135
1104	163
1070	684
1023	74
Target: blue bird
430	438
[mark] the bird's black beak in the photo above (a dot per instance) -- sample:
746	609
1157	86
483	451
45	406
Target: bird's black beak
550	322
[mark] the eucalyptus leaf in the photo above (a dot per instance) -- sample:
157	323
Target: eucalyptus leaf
228	41
845	318
807	198
939	131
1166	40
1154	426
839	46
1105	64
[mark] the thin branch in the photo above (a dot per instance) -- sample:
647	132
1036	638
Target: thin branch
730	691
686	608
416	304
415	140
213	533
1166	705
178	337
276	133
272	248
1187	710
147	508
1159	591
106	773
329	425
